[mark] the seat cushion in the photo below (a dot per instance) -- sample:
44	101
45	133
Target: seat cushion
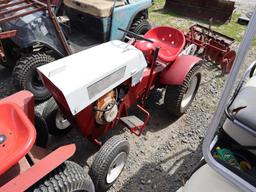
241	136
243	107
19	134
171	42
166	54
205	179
99	8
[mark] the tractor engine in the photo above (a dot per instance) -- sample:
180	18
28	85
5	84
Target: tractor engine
106	108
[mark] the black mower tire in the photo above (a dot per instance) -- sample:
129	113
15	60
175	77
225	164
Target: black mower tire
103	159
41	130
140	26
49	114
25	75
174	94
68	177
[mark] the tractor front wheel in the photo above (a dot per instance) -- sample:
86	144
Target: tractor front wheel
109	163
178	98
68	177
56	121
26	77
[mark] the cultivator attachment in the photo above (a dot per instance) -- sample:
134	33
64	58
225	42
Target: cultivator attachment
216	46
219	10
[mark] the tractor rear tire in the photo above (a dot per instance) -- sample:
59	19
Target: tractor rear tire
50	113
140	26
109	163
26	77
68	177
41	130
178	98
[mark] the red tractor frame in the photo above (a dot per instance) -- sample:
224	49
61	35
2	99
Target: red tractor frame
166	67
25	166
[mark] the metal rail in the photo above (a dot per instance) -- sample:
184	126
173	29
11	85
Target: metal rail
214	124
57	26
5	14
4	1
12	4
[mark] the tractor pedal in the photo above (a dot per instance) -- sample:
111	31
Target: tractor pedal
132	121
136	125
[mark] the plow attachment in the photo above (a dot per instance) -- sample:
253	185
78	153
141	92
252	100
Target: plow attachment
220	10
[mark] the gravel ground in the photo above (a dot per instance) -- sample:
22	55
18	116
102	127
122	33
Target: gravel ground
161	159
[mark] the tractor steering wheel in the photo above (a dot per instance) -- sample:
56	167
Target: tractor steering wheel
136	36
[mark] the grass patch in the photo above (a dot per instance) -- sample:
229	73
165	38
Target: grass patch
161	17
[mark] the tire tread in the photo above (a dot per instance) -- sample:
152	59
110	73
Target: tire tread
139	24
24	65
174	94
67	177
103	158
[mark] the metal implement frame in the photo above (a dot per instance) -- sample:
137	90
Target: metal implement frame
216	46
215	122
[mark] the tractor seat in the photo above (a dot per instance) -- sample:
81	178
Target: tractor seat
243	107
17	135
98	8
170	40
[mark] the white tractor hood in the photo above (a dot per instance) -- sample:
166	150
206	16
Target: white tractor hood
86	76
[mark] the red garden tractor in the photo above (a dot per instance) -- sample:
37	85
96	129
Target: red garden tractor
27	167
95	95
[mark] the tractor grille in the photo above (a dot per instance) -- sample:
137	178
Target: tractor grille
105	82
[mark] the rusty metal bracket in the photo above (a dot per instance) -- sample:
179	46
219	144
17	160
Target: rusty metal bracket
5	35
2	53
28	7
